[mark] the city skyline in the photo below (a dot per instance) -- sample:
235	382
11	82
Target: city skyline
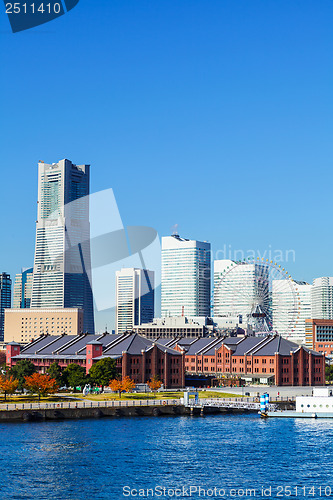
52	196
233	101
63	190
176	259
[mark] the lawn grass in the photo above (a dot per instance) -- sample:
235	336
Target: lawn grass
20	398
151	396
31	398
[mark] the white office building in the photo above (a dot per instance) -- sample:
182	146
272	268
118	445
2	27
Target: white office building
134	298
62	267
291	305
185	284
322	298
241	290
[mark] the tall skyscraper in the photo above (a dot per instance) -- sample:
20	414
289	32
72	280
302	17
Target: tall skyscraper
5	300
322	298
185	285
291	304
62	266
23	289
134	298
242	289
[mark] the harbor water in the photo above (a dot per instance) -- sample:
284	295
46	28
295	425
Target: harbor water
232	456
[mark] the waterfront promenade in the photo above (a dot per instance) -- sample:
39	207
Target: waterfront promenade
128	403
34	411
88	404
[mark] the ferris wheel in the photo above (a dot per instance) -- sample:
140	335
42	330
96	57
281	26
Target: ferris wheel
259	290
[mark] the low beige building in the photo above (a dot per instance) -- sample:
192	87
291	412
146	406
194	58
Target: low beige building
23	325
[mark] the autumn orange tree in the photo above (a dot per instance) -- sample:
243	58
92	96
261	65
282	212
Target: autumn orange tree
116	386
40	384
8	384
126	384
154	384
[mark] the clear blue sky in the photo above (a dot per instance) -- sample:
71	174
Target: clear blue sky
216	115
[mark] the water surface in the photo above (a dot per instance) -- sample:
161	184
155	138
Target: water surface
96	459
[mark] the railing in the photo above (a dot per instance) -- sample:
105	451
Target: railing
229	403
88	404
250	399
222	402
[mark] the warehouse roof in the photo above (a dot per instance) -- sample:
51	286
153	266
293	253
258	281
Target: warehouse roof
74	346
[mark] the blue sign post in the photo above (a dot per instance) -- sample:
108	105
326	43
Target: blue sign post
264	404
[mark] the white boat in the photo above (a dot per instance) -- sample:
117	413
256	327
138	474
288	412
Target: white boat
319	405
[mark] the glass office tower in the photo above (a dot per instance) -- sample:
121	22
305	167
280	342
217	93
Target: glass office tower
185	285
23	289
322	298
291	302
134	298
5	300
62	266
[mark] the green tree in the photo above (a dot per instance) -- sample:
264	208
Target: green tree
23	368
74	375
103	371
329	373
55	371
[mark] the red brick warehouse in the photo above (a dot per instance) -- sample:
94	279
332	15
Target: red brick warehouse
135	356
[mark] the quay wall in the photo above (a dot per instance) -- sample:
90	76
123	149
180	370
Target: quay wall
35	412
35	415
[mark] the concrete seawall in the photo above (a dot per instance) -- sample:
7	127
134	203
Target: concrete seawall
79	413
74	411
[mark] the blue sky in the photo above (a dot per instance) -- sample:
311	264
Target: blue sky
215	115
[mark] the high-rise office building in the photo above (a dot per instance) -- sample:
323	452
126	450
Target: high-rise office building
185	284
23	289
134	298
291	305
5	300
242	290
62	265
322	298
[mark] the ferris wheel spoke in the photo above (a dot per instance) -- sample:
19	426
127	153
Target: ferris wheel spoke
257	290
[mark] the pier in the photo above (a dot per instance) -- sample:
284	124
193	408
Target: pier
225	406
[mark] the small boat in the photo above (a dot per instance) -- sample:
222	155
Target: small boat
319	405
